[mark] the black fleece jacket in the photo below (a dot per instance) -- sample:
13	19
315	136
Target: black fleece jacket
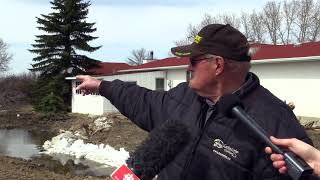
222	148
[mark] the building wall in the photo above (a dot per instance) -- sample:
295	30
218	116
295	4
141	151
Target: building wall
96	104
172	78
145	79
175	77
297	82
89	104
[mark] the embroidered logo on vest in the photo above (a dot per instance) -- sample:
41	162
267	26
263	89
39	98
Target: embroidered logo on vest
224	150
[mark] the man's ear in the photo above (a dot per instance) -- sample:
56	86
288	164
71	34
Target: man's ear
220	65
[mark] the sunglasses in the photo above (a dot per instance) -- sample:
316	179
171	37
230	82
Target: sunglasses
195	61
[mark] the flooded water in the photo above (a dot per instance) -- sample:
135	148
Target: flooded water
28	145
18	143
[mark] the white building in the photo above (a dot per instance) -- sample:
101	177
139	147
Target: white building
291	72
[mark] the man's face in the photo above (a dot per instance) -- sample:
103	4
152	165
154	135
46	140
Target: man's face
203	72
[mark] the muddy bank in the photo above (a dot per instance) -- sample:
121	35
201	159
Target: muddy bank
14	168
122	134
118	132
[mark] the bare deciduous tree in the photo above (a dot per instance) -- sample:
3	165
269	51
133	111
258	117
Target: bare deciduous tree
258	30
303	19
231	19
137	56
289	21
288	13
15	90
272	20
5	57
193	30
315	23
207	19
246	25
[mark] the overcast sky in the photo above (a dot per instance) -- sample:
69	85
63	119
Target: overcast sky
122	25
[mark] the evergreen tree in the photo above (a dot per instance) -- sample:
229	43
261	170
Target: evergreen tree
66	31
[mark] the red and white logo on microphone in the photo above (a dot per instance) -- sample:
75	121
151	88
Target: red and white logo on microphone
123	173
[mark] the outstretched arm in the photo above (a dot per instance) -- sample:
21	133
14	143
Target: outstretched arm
143	106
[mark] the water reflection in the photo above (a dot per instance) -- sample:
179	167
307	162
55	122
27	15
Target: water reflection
80	167
28	145
18	143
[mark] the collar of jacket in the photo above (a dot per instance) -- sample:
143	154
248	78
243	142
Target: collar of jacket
252	82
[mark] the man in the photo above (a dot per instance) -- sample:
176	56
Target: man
222	147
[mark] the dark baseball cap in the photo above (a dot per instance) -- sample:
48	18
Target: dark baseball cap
217	39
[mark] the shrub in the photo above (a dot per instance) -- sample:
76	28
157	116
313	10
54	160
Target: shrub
50	103
51	94
15	90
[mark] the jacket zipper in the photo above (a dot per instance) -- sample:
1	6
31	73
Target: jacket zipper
203	129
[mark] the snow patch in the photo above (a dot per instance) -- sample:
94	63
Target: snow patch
102	122
70	144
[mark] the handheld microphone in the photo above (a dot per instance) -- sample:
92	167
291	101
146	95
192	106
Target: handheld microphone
231	106
159	149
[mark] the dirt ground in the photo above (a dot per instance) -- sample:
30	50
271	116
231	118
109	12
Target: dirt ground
122	134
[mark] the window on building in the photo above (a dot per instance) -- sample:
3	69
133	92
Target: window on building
188	76
79	92
77	84
95	93
159	84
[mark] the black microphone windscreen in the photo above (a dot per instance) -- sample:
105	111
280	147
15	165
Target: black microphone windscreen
159	149
227	102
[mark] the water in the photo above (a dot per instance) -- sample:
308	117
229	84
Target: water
28	145
18	143
76	166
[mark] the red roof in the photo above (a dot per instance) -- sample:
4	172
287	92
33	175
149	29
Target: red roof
109	68
264	51
267	51
171	61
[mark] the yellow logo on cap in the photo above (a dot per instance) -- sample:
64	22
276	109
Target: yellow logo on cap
182	53
197	39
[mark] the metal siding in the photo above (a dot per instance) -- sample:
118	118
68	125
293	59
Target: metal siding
297	82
